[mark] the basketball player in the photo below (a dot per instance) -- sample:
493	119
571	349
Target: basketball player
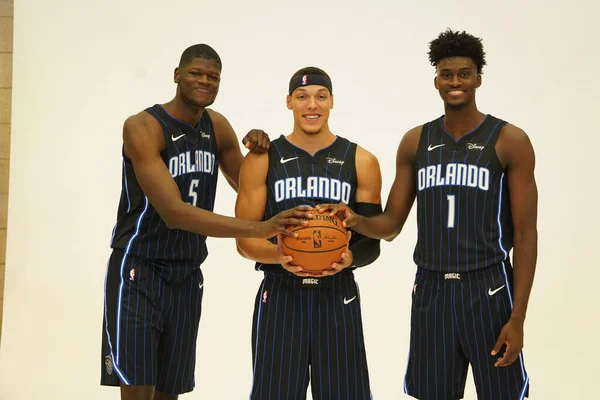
308	324
473	177
154	286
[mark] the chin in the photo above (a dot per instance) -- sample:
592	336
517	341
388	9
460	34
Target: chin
311	130
456	105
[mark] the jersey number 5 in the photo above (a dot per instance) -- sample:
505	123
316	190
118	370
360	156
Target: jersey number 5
193	194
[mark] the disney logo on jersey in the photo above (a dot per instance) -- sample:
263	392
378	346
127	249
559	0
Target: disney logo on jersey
329	189
192	161
204	135
331	160
453	174
475	146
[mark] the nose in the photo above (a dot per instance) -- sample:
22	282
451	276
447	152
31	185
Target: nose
203	79
455	82
312	104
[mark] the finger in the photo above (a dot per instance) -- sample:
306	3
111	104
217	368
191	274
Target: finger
293	222
336	209
301	214
506	358
349	236
324	207
265	142
499	343
286	232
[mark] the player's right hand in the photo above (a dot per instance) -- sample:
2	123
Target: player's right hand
287	262
279	223
342	210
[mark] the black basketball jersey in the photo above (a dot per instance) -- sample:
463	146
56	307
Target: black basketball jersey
297	178
463	208
191	155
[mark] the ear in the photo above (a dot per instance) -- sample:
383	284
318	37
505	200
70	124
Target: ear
331	107
176	75
478	80
288	102
435	83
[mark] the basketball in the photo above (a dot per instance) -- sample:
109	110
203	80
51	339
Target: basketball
319	244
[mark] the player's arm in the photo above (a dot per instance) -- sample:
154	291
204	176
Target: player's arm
251	204
143	141
515	151
230	155
365	250
388	224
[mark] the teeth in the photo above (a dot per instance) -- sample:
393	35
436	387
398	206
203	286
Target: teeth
455	92
312	116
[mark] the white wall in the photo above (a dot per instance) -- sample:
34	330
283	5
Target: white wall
81	67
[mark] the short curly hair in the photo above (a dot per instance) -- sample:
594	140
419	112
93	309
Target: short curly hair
457	44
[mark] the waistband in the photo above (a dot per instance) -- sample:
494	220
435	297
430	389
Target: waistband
278	272
484	273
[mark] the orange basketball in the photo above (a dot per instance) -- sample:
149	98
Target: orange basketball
319	244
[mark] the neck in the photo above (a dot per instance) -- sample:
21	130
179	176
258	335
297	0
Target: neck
179	109
311	142
459	122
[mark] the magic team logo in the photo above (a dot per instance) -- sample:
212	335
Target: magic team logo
304	79
108	364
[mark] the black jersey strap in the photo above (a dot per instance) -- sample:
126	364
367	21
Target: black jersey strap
364	249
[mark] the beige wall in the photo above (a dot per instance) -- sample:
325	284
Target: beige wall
6	49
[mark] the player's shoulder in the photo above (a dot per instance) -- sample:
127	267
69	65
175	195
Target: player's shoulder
512	137
365	159
218	120
140	124
410	139
513	132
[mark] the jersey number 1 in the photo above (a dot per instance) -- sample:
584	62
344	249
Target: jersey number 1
451	208
193	194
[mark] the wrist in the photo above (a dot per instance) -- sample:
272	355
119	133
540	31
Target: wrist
518	318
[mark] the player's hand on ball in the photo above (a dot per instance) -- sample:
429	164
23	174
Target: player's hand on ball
342	210
280	222
256	141
287	261
512	336
345	262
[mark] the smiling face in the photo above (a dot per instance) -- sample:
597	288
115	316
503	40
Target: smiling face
198	82
311	105
457	80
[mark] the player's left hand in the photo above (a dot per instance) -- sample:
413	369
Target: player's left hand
257	141
345	262
511	335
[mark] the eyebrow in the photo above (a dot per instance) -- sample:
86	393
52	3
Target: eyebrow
318	91
460	69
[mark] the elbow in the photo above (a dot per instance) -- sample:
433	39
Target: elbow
172	217
241	249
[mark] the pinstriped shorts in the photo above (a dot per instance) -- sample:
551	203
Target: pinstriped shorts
456	319
150	325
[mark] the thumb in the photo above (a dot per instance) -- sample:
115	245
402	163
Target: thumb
499	343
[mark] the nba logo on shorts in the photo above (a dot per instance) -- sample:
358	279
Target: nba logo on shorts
132	274
304	80
265	294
